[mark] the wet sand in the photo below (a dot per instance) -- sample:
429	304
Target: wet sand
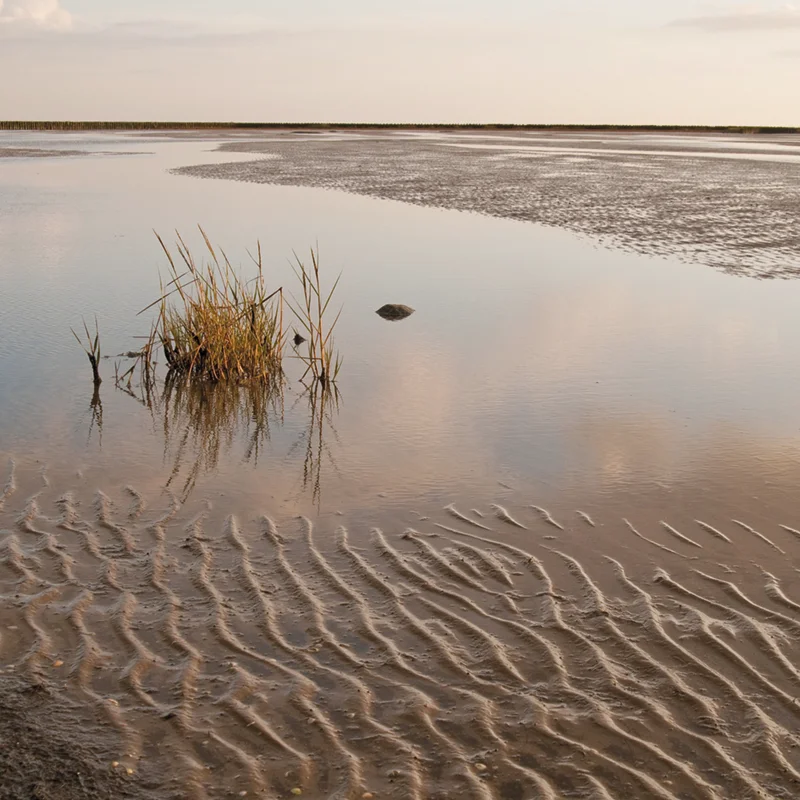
49	751
728	202
490	650
37	152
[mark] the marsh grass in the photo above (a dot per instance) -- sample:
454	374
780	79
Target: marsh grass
213	324
223	337
318	353
92	349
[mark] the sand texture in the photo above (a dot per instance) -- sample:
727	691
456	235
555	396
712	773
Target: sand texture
36	152
501	651
730	203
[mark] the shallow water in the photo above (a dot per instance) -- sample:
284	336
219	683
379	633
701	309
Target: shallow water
533	355
620	432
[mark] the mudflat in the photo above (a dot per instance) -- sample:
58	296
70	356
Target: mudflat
703	199
545	546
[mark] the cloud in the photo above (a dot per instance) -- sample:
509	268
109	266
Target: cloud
745	20
33	15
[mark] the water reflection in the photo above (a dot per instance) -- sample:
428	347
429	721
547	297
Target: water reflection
96	422
323	405
200	421
532	358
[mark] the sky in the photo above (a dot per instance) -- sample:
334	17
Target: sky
703	62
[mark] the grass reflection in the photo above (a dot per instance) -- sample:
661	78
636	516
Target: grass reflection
96	422
323	406
203	423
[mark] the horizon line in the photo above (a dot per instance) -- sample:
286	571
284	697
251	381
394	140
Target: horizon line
219	125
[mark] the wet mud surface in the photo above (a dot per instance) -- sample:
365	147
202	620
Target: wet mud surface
49	752
637	637
36	152
731	203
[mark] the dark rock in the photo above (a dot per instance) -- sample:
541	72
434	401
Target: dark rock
394	311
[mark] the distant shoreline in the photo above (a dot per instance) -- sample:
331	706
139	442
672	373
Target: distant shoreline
53	125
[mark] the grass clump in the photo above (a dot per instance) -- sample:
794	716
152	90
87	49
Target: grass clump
215	326
223	341
212	324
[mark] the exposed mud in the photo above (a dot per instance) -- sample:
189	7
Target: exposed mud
36	152
728	202
47	751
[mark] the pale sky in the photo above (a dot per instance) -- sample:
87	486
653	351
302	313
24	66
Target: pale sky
527	61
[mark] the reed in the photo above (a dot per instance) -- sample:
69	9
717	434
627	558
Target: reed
321	358
212	323
223	339
92	349
215	326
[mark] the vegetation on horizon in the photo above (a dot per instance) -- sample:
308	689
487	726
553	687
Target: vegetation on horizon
130	125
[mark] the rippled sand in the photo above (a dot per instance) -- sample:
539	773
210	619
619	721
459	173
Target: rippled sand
496	651
728	202
38	152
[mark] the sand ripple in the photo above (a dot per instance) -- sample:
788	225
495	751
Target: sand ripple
515	654
718	206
